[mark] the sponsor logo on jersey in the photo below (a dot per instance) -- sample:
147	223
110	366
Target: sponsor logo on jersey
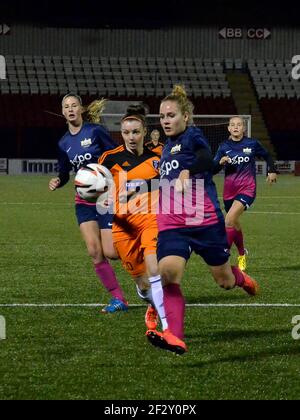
176	149
168	167
247	151
238	160
86	143
79	160
125	164
133	185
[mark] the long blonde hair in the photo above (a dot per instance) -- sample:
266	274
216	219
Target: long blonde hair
179	96
92	112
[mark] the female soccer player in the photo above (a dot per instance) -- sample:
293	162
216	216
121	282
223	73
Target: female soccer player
135	169
82	144
187	162
238	155
154	144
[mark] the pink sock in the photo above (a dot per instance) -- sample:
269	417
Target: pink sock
239	278
108	278
239	241
230	235
175	308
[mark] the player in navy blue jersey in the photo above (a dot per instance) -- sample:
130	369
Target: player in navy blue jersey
83	143
189	218
237	155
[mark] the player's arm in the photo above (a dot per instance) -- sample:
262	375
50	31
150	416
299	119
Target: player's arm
261	152
63	176
220	160
104	139
203	162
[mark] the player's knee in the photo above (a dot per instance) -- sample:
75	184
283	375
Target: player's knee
110	254
230	222
152	270
95	251
169	275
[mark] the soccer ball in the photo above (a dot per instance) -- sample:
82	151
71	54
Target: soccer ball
92	180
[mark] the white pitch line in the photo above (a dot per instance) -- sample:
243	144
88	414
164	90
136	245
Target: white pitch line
275	212
71	205
36	204
191	305
5	203
277	197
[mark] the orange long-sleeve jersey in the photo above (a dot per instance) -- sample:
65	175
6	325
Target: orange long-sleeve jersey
135	197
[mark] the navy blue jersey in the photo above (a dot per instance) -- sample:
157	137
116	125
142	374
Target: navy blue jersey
77	150
180	153
240	173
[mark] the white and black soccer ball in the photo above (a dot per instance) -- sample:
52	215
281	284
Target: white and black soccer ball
92	180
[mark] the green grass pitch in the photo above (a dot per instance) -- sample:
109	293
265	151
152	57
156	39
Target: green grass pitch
235	352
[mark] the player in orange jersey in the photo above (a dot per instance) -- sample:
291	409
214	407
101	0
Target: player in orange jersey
135	168
154	144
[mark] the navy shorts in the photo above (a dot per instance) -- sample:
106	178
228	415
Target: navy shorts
242	198
210	242
87	213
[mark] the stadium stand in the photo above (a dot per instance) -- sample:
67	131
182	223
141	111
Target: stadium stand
278	95
272	78
35	84
113	76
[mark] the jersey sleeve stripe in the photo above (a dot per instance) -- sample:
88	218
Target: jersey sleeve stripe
110	152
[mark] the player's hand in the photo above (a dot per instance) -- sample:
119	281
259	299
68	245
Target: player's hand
182	183
271	178
224	160
54	183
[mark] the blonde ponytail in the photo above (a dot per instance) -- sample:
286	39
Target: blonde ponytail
92	113
179	96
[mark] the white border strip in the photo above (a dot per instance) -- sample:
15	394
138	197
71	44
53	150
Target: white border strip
191	305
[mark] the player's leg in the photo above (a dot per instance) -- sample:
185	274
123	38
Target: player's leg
228	277
172	253
232	221
234	229
105	222
132	258
144	292
149	249
104	271
211	244
243	252
172	269
107	244
156	290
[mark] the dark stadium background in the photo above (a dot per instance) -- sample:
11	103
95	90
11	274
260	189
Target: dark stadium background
93	13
